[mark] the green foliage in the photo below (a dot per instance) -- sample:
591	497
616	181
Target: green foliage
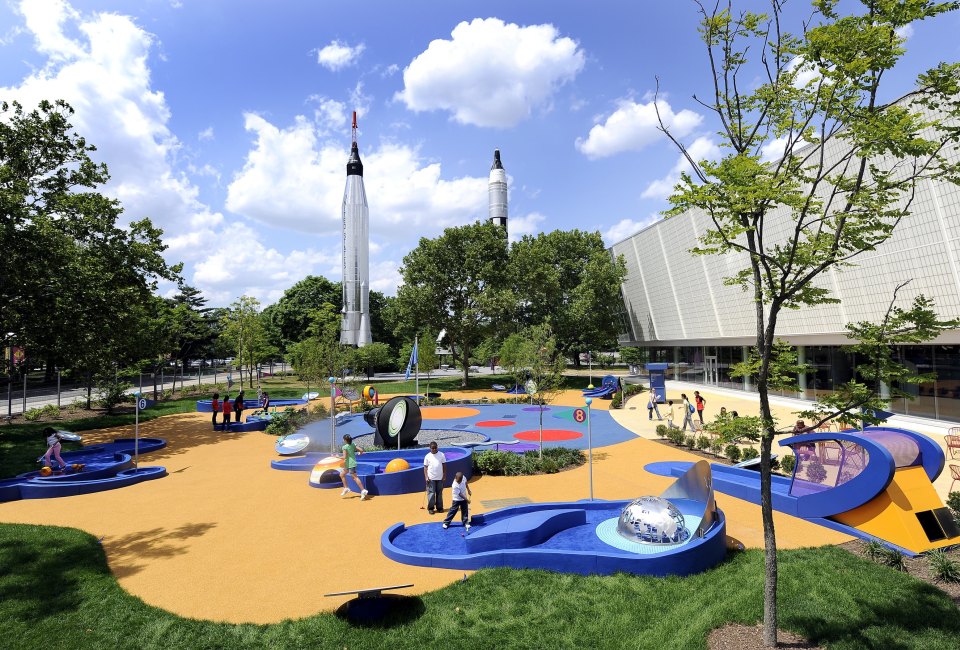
457	283
76	276
634	355
873	549
662	430
943	568
703	443
816	472
32	415
676	436
110	390
787	463
690	441
953	502
569	280
716	447
505	463
732	452
748	453
245	331
894	559
373	357
735	429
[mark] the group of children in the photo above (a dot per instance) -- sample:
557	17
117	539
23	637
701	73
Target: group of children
687	408
434	473
227	406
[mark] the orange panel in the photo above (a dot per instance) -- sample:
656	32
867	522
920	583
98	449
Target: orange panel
891	516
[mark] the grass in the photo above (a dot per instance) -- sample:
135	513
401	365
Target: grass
57	592
449	383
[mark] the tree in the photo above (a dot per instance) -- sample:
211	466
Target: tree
245	331
543	367
458	283
373	356
846	178
76	287
567	279
634	356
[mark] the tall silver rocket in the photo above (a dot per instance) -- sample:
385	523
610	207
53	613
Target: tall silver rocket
355	323
497	192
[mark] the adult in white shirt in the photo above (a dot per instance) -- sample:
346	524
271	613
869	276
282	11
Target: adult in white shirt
434	473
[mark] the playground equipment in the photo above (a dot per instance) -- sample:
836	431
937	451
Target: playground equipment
396	423
370	394
91	469
582	537
396	465
657	380
608	386
874	484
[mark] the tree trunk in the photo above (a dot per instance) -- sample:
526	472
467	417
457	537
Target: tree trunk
769	532
466	366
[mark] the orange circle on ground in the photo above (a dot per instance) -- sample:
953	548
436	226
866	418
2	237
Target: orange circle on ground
496	423
447	412
548	434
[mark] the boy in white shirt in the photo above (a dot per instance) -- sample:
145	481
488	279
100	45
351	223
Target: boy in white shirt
435	473
461	497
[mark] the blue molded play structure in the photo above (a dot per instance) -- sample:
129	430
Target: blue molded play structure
578	537
658	380
206	405
608	386
371	468
106	467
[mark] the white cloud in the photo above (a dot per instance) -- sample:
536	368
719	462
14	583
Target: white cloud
528	224
703	148
206	134
491	73
45	20
626	227
338	55
904	32
633	126
292	179
807	73
329	115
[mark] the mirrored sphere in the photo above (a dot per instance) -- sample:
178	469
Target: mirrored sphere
652	520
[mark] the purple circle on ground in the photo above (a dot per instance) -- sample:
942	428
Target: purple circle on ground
536	408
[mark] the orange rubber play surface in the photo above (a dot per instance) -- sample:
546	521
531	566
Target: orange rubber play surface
225	537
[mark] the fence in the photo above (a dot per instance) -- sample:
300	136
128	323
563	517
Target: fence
34	391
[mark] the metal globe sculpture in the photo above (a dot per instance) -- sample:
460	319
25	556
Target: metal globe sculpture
652	520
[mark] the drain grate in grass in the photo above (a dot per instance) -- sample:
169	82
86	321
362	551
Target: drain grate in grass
503	503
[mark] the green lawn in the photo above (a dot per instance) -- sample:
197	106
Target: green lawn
56	592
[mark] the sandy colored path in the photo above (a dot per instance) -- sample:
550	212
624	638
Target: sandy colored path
225	537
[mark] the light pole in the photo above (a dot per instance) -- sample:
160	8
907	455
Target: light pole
9	339
589	401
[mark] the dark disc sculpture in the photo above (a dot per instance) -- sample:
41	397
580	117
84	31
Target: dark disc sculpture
398	417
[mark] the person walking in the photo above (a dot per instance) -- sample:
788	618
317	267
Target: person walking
434	473
53	447
700	403
350	452
461	499
652	407
688	412
670	415
215	403
238	408
227	408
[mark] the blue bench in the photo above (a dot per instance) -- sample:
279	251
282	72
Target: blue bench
523	531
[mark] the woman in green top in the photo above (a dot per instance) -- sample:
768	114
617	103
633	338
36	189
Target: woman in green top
350	452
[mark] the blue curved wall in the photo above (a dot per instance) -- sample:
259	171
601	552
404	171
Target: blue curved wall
371	465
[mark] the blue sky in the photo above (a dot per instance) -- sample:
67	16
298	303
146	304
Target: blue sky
227	121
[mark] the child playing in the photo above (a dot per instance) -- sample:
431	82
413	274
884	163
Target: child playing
227	410
670	424
215	403
350	452
461	497
53	447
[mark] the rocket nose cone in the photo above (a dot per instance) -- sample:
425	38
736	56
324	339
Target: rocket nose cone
354	166
496	160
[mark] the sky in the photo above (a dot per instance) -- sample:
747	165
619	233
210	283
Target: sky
227	122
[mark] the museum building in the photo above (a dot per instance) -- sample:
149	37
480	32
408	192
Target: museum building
676	304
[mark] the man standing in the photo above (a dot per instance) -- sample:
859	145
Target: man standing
435	473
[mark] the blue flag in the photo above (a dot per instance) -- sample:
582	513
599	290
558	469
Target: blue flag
413	356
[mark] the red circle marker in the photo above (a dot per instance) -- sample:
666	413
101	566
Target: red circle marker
548	434
496	423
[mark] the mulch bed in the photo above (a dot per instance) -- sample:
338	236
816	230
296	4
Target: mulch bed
918	567
750	637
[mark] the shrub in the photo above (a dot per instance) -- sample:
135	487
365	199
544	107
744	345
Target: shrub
510	464
943	567
690	441
549	466
490	462
703	443
716	447
732	452
953	502
816	473
873	550
662	431
111	391
615	402
894	559
748	453
787	463
32	415
675	436
319	409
